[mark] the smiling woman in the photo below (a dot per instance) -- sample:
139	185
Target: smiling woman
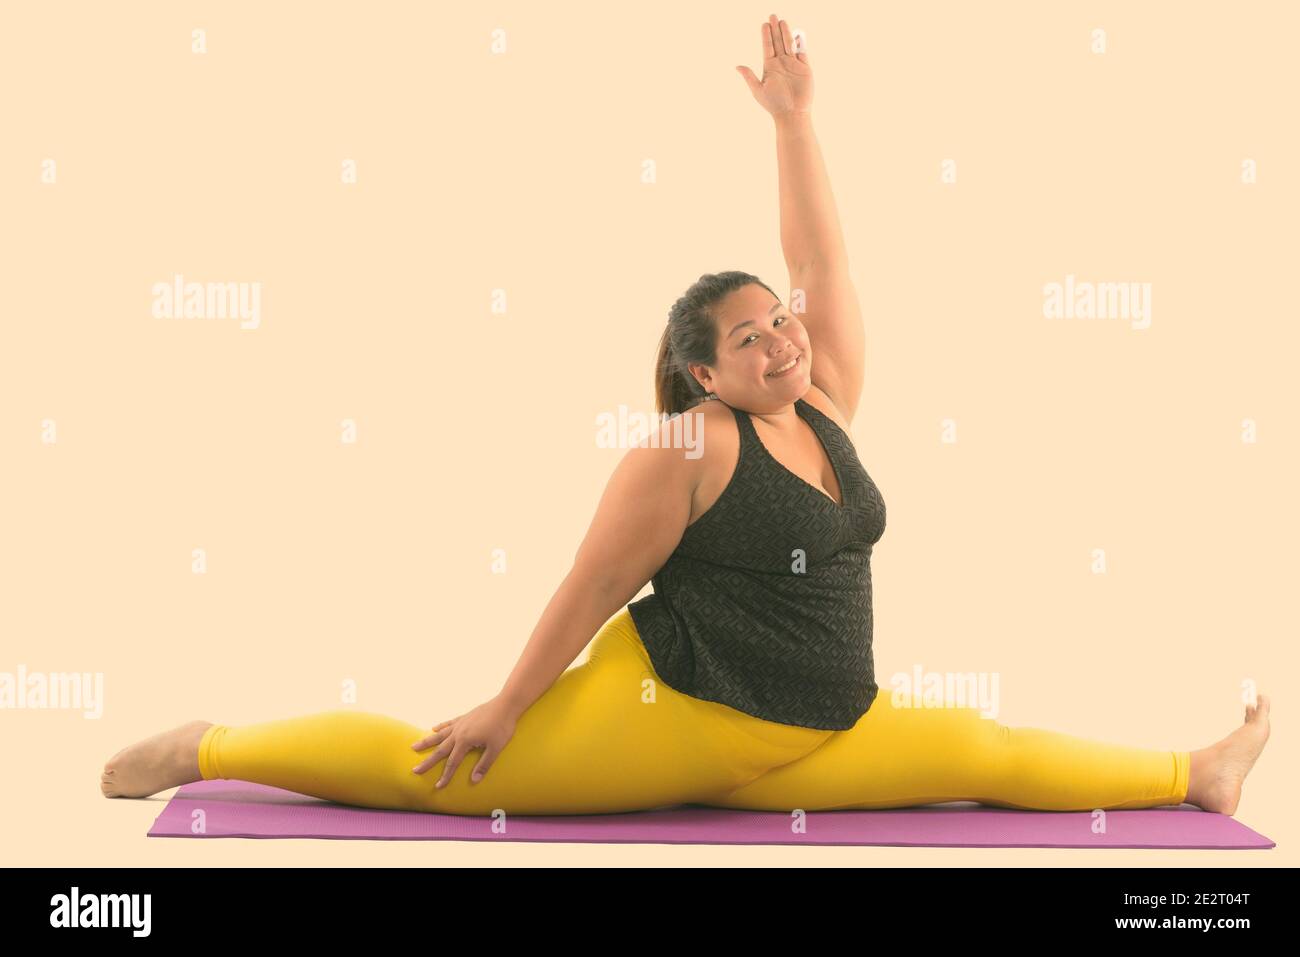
693	338
746	679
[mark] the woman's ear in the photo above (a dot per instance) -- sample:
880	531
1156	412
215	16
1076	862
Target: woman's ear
703	375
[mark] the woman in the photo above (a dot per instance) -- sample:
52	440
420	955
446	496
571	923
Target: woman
746	679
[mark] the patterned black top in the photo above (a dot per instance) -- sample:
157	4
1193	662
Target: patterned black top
765	604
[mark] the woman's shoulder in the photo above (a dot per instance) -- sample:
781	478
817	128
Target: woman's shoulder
700	440
716	434
820	401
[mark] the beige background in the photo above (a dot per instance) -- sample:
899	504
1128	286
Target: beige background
522	171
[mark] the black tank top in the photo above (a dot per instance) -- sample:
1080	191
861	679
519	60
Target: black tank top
765	604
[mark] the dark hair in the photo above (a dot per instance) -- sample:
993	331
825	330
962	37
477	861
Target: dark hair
691	336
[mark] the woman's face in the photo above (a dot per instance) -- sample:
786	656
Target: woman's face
757	336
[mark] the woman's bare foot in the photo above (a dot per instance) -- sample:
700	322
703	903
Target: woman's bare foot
155	764
1218	771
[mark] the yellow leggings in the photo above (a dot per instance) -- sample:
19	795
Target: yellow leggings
610	736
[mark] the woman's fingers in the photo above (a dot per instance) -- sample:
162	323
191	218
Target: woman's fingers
457	755
434	758
457	750
778	39
432	737
484	763
426	741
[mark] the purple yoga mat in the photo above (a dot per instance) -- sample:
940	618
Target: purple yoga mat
240	809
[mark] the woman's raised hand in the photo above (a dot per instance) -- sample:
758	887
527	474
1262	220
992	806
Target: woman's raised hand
489	726
787	84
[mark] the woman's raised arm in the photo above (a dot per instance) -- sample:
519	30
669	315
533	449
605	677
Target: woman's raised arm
811	238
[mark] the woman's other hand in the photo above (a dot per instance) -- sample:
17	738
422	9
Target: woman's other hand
787	84
489	726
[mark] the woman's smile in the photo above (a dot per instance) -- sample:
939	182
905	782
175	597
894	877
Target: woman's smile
786	369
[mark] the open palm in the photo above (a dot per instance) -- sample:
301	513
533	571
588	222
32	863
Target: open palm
787	84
